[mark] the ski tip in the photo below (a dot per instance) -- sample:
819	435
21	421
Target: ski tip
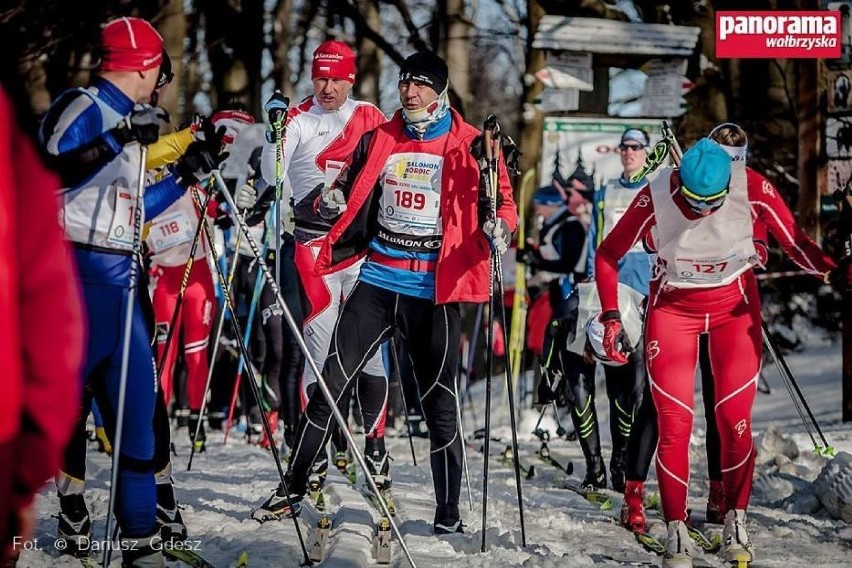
242	560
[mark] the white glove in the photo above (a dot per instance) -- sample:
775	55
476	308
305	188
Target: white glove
499	235
245	197
332	203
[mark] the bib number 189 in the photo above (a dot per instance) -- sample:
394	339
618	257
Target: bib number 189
410	199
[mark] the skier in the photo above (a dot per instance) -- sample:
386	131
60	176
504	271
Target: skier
169	241
321	133
93	137
408	198
41	347
699	220
624	382
643	436
558	260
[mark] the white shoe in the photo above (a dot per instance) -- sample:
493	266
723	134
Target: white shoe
678	553
736	541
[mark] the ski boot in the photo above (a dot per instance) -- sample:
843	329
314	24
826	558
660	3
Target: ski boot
144	552
595	474
181	416
277	507
216	419
716	507
272	418
200	443
172	527
678	553
632	511
737	545
75	526
617	463
378	466
316	481
447	520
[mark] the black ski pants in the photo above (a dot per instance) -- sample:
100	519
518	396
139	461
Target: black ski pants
369	316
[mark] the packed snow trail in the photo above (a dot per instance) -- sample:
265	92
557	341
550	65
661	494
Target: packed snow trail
563	529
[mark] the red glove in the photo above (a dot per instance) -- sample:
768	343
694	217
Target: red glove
615	342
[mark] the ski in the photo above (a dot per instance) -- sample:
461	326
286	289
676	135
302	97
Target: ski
507	459
599	498
654	546
320	538
242	560
544	455
382	542
374	501
608	560
188	557
650	543
711	545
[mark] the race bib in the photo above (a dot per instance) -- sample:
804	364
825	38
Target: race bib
708	270
121	227
411	194
170	230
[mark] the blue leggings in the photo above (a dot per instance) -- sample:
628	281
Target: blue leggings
136	506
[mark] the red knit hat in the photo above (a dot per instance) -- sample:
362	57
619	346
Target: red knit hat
130	44
334	60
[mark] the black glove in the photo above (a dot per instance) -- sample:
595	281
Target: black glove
553	386
841	277
223	218
530	255
276	111
197	162
141	125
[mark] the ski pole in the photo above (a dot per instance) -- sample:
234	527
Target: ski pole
219	325
338	416
258	287
125	347
507	368
492	136
395	359
279	129
471	354
826	449
184	283
242	345
463	446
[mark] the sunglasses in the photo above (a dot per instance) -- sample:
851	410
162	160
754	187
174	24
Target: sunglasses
631	147
699	203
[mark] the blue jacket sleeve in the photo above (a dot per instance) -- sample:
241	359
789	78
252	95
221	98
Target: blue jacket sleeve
160	195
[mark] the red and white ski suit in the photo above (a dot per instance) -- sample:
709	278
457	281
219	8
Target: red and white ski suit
170	240
316	146
681	308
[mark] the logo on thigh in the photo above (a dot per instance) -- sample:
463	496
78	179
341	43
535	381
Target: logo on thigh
741	427
652	350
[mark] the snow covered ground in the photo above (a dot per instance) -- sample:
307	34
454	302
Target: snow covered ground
787	525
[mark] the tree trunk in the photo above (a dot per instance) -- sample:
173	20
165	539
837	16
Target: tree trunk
369	62
455	45
533	120
281	48
172	26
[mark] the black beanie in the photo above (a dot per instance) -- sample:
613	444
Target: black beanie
427	68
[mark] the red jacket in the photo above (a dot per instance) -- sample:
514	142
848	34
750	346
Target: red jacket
41	322
462	271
